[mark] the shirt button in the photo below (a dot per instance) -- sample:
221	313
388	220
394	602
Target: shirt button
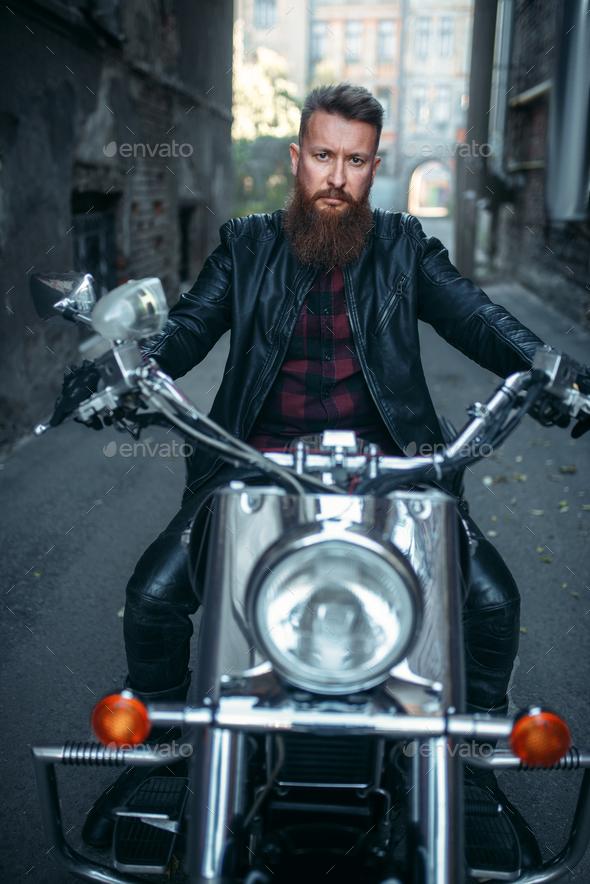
327	311
327	357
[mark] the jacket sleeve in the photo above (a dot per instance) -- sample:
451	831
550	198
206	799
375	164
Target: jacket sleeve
199	318
464	316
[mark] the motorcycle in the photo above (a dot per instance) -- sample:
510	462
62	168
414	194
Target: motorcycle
329	735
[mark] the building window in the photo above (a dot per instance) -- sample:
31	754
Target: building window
423	29
265	13
442	106
94	247
353	40
430	191
421	108
385	40
446	37
319	40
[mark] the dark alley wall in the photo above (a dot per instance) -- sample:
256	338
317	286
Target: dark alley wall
115	157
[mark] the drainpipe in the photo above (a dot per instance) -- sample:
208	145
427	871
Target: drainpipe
500	95
471	170
568	147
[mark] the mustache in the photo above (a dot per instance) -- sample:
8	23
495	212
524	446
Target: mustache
332	193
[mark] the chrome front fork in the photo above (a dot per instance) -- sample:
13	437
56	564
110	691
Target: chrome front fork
436	812
218	773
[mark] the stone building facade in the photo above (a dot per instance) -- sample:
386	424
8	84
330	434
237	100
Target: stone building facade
550	256
115	157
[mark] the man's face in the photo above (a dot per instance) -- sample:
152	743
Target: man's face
336	161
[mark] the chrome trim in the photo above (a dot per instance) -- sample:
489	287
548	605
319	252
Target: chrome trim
242	713
436	813
218	778
423	526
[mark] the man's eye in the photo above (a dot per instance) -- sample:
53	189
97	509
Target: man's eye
356	161
322	155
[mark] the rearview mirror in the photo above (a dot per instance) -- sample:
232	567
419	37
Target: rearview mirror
58	296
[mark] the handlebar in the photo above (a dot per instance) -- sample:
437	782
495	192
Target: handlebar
130	381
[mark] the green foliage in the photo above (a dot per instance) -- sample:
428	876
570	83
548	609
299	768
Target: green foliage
264	99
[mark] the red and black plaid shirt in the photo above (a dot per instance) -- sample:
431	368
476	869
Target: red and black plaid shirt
320	385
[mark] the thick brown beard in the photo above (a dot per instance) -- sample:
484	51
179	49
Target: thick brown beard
326	238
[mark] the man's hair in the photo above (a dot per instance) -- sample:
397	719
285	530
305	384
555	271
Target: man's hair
344	100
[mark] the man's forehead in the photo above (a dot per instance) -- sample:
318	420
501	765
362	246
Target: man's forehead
332	130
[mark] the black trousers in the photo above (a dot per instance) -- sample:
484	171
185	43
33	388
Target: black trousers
160	599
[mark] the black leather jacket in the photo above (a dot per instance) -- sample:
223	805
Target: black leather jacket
253	284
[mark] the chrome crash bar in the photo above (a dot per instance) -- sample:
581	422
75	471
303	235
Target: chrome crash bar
241	715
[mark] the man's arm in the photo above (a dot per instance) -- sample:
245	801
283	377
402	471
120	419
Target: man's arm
199	318
464	316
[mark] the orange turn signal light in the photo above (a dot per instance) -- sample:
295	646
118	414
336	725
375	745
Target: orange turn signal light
540	737
120	719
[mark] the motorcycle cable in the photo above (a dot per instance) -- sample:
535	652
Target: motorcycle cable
269	783
450	466
234	449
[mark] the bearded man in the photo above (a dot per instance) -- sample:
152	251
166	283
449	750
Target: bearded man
323	300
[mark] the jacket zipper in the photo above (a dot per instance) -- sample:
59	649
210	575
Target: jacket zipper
388	309
262	377
271	361
366	370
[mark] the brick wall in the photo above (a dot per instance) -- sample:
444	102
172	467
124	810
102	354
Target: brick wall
72	88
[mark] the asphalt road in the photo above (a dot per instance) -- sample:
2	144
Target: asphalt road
74	521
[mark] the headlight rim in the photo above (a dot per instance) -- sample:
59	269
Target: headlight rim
316	534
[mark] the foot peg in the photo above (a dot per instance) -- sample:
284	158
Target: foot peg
147	826
492	849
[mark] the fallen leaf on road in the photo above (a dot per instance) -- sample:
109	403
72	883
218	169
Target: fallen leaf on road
576	595
540	549
568	469
586	506
520	477
121	612
492	533
564	585
487	480
518	458
537	512
523	628
546	559
562	506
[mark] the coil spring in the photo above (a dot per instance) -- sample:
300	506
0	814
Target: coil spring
570	761
92	755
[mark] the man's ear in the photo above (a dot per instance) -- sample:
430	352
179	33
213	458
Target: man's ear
376	162
295	151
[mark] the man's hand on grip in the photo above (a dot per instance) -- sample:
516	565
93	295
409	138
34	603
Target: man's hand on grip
79	383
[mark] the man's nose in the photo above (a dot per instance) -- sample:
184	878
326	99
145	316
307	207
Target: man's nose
336	176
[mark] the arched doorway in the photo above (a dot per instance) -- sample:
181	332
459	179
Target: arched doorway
430	191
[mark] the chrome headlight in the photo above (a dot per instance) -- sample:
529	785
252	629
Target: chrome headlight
333	610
